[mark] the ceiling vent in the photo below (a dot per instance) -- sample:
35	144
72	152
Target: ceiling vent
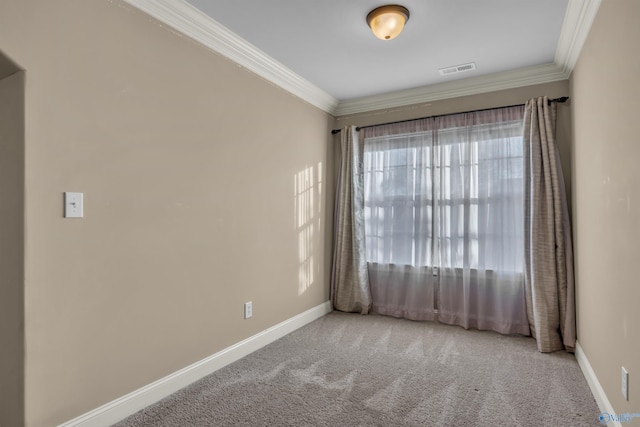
457	69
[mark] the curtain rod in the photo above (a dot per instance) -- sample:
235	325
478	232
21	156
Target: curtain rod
561	100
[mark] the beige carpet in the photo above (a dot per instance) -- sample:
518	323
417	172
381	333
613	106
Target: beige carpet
354	370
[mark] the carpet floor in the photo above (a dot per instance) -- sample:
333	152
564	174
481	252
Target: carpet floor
353	370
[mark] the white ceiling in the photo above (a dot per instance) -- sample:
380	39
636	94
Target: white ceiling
324	52
329	43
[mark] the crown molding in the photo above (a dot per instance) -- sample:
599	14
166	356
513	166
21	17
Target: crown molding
575	29
186	19
577	23
463	87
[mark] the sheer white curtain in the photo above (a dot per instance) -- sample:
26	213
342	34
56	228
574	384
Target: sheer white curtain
444	219
480	220
398	194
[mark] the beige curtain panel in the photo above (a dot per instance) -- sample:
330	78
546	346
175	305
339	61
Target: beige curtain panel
548	249
349	279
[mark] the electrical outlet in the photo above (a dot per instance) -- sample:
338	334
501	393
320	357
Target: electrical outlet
248	309
625	384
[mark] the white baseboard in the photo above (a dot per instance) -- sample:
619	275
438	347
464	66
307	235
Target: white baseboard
131	403
598	392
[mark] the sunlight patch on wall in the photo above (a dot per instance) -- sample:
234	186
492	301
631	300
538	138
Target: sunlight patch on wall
308	190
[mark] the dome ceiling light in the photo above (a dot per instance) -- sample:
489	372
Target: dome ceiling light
387	22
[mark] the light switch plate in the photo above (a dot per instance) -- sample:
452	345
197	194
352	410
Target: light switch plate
248	309
73	205
625	384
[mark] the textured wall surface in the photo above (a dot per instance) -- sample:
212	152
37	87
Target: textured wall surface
606	210
12	249
204	187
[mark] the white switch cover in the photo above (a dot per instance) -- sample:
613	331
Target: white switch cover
248	309
625	384
73	205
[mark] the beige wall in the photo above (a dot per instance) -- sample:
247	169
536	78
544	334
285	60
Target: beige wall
606	149
11	249
7	66
204	187
475	102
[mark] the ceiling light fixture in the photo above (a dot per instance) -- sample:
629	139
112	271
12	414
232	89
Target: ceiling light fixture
387	22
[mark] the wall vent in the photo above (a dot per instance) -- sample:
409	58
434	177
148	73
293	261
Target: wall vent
457	69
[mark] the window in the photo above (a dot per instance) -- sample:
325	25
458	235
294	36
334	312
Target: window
450	195
481	197
398	181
